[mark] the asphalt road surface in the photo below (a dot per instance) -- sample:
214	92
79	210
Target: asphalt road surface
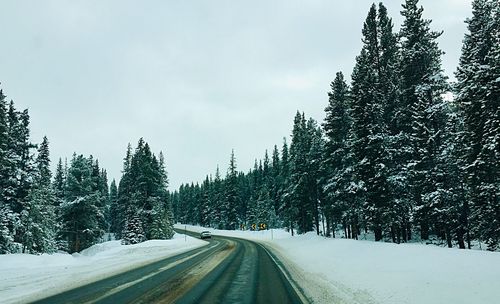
228	270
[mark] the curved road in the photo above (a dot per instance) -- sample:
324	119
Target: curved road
227	270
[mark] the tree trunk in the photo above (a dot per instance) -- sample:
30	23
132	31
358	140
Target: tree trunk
333	226
424	230
404	232
448	237
408	230
345	229
460	238
398	234
378	233
468	239
328	234
355	230
323	224
393	234
316	221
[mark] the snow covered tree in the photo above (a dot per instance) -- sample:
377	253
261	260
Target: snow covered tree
143	188
302	195
162	227
206	204
8	218
217	196
369	144
314	161
296	210
231	199
422	84
275	179
8	223
478	95
449	205
81	214
133	232
16	171
38	216
114	208
338	205
59	182
20	153
124	194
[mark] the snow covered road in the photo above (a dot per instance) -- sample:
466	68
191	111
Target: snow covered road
328	270
349	271
228	270
28	277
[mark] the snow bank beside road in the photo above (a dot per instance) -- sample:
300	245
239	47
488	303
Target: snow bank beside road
372	272
25	277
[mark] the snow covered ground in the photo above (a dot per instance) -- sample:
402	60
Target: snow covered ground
329	270
25	277
349	271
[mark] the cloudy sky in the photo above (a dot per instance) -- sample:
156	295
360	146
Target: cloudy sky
194	78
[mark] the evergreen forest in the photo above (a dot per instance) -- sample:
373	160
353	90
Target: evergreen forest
396	158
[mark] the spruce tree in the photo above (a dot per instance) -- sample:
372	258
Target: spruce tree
336	166
38	217
143	192
133	232
114	211
59	182
422	84
81	215
8	218
370	132
232	199
478	97
217	198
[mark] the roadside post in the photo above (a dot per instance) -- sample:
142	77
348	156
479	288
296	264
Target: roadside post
185	231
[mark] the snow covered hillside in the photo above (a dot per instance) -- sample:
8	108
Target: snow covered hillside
26	277
349	271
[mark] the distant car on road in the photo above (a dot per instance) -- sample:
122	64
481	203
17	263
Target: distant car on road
205	235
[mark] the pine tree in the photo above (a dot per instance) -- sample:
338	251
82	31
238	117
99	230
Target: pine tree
114	211
124	194
3	145
303	191
206	204
478	97
231	201
38	216
314	160
161	227
338	205
370	131
276	180
133	232
59	182
217	197
80	214
285	211
422	84
8	218
7	221
449	204
143	188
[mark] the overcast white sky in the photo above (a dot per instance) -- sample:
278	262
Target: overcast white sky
194	78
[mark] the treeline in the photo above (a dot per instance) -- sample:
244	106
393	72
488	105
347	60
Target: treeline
393	156
72	210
